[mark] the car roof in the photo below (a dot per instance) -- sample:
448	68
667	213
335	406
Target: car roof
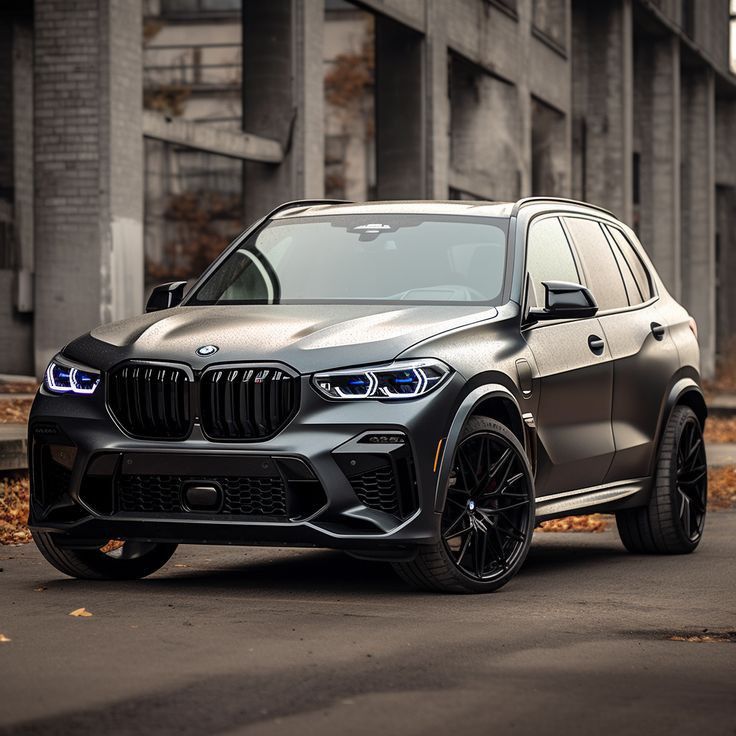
393	207
477	208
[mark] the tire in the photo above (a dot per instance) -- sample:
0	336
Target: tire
672	523
132	561
509	510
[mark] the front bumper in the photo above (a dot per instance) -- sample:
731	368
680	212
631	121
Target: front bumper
83	465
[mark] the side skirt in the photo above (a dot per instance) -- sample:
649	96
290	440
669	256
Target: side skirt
600	499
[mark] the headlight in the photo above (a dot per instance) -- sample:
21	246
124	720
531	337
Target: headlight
63	378
400	380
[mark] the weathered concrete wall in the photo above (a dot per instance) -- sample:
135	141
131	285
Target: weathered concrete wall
657	144
88	168
698	207
543	96
283	99
602	71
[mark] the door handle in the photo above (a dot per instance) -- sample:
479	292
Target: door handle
596	344
657	330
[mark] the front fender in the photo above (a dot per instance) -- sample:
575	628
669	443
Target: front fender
465	410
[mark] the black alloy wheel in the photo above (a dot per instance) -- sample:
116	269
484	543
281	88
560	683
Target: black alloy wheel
672	523
691	479
488	518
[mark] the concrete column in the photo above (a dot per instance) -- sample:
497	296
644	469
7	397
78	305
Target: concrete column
657	125
725	230
16	192
88	159
310	97
399	85
438	102
283	99
524	105
602	73
698	208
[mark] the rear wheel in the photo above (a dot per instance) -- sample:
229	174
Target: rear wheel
488	519
673	521
126	561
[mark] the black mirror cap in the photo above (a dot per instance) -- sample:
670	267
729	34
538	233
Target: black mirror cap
565	300
166	296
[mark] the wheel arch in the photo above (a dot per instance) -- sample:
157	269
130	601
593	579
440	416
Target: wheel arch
491	400
686	392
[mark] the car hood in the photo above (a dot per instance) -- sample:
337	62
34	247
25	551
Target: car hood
307	337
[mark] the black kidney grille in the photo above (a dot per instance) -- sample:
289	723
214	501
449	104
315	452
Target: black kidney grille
151	400
243	403
152	494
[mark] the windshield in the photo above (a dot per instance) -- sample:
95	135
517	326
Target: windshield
342	259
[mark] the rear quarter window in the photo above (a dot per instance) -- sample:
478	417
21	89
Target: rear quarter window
638	269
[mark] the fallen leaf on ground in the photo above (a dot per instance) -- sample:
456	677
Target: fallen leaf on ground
589	523
15	411
4	639
112	545
40	588
180	564
722	487
720	429
81	613
14	501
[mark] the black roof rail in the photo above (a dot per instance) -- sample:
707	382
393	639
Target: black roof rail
303	203
560	200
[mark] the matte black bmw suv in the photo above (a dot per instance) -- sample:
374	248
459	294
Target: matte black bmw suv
418	382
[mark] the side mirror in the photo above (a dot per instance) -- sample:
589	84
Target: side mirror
564	300
166	296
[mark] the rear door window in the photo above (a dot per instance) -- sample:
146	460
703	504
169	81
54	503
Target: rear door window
601	269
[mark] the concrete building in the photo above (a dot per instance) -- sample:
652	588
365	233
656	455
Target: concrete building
136	136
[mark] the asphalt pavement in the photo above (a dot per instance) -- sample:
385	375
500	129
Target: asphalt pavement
260	641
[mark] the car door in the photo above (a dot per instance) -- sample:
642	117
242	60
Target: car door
574	373
645	361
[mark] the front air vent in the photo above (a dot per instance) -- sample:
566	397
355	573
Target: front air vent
151	401
261	496
246	402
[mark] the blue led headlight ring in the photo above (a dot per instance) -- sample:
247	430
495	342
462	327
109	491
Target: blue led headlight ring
62	377
400	380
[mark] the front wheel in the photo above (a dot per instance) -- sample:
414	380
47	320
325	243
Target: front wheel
487	522
126	561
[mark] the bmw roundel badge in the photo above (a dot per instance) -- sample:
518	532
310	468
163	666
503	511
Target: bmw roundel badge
207	350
